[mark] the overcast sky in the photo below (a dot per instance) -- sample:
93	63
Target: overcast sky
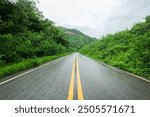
95	17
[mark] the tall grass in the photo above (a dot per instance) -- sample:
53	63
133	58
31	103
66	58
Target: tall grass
29	63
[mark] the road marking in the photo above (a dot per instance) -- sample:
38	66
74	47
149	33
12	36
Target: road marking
137	76
75	71
71	88
112	68
80	93
13	78
118	69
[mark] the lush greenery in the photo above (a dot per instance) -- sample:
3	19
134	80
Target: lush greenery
25	35
129	49
76	38
25	64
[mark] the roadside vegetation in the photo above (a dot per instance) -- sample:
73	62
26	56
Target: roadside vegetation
128	49
27	39
28	63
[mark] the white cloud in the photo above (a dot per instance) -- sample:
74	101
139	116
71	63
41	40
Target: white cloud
95	17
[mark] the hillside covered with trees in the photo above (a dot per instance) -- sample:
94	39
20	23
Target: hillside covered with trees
25	36
128	49
76	38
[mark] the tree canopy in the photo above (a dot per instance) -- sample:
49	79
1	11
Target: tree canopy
25	33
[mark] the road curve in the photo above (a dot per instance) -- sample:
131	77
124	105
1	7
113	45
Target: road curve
75	77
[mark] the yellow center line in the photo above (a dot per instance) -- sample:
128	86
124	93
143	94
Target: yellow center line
80	93
79	87
71	88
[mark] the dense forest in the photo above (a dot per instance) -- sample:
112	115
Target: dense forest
76	38
25	34
128	49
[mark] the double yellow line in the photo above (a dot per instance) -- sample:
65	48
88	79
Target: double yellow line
75	69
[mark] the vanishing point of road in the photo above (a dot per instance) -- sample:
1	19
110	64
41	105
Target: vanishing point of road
74	77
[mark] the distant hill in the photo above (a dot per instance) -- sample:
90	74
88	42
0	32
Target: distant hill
76	38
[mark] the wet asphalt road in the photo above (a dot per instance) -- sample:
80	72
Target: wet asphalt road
98	82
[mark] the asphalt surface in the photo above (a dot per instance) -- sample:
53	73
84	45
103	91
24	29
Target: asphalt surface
53	81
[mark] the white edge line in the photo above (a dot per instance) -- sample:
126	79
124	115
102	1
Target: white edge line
137	76
100	62
13	78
